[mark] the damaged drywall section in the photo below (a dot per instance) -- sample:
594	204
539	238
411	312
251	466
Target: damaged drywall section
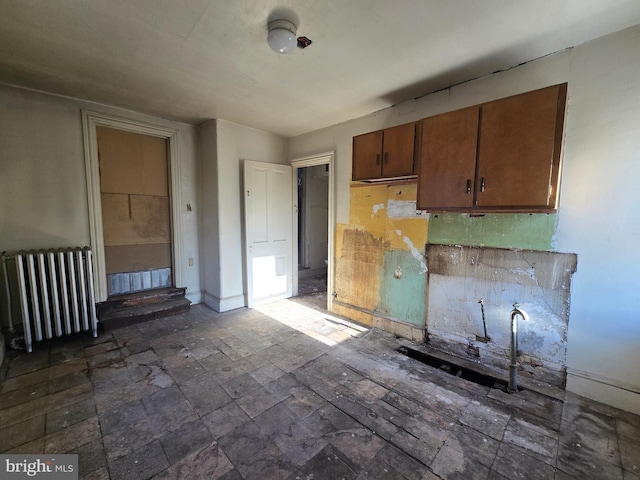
380	273
539	281
403	284
500	230
359	268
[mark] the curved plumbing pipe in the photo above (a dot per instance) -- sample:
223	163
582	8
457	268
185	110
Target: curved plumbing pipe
513	364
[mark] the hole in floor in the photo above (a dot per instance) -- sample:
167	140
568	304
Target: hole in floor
456	370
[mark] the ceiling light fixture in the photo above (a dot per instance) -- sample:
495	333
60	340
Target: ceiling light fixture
282	36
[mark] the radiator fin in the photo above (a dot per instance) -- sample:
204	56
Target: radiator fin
55	289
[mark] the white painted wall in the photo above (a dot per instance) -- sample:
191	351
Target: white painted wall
233	144
209	241
598	218
43	194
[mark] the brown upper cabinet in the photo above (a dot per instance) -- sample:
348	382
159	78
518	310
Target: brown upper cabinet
499	156
448	159
385	154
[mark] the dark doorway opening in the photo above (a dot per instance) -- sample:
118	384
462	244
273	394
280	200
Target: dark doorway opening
313	201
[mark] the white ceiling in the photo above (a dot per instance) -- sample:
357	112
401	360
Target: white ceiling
193	60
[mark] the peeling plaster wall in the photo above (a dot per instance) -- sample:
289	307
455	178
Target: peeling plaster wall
597	218
540	282
505	230
381	267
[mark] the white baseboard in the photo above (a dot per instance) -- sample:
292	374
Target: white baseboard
224	304
194	297
601	389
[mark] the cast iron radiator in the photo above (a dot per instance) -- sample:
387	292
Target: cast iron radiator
55	291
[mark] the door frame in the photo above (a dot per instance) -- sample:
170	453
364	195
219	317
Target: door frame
326	158
92	120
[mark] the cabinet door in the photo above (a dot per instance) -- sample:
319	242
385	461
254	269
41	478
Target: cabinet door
367	156
398	150
448	160
519	151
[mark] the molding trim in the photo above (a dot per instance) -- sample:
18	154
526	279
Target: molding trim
195	297
92	120
610	382
211	301
380	321
611	392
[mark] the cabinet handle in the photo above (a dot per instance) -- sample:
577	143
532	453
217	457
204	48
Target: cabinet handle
386	157
468	186
377	159
482	184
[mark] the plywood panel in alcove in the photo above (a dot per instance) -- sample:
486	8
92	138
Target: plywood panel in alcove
135	201
135	219
132	163
134	258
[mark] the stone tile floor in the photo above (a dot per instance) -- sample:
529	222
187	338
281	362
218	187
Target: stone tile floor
290	391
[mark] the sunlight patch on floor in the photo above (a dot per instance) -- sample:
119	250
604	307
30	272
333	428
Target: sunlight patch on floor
320	325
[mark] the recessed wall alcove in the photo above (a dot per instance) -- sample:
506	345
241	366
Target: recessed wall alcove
539	281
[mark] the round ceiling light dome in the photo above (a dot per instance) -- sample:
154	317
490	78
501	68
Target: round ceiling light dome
282	36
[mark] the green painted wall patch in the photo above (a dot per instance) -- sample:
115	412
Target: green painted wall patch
535	231
402	291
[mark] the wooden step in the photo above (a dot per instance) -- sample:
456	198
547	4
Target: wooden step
158	295
131	308
143	313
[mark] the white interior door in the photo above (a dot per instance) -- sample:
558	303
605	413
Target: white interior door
269	231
